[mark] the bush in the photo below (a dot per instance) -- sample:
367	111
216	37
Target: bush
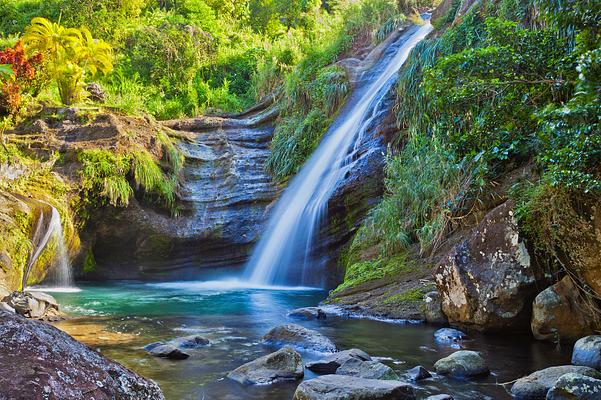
21	76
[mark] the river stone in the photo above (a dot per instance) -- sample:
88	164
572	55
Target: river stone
308	313
367	369
283	365
536	385
168	351
433	309
587	352
418	373
190	342
330	364
300	338
556	313
153	345
449	335
440	397
486	281
342	387
36	356
575	386
462	364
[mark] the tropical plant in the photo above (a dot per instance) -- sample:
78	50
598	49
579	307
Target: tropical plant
18	76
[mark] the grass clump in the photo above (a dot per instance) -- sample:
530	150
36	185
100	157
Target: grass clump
365	271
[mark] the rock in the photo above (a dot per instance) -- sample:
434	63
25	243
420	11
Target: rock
154	345
449	335
5	307
308	313
96	93
283	365
557	314
341	387
168	351
486	282
36	356
300	338
32	304
440	397
330	364
536	385
433	309
418	373
575	386
366	369
190	342
462	364
587	352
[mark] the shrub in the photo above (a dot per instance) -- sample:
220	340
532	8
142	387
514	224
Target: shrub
19	75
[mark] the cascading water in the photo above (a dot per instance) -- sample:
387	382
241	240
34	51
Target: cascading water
283	255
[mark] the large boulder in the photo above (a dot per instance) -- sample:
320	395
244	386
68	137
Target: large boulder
487	282
558	313
462	364
575	386
300	338
283	365
587	352
536	385
331	363
340	387
367	369
39	361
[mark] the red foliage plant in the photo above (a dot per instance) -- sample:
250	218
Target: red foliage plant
26	71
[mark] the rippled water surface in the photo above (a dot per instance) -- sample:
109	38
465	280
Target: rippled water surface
120	318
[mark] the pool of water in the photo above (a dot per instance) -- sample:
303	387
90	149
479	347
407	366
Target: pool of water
120	318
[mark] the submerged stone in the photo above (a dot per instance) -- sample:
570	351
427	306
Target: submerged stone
190	342
330	364
168	351
308	313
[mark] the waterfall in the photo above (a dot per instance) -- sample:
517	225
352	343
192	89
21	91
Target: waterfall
283	254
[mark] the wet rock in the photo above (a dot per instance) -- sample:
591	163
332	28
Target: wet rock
190	342
308	313
486	281
366	369
536	385
33	304
283	365
449	335
341	387
35	356
168	351
558	314
440	397
575	386
418	373
330	364
433	309
587	352
300	338
462	364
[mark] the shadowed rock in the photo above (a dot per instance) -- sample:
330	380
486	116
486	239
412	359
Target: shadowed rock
168	351
587	352
418	373
575	386
340	387
283	365
331	363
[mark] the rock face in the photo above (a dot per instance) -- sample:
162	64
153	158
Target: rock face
339	387
536	385
366	369
486	282
330	364
38	359
462	364
587	352
575	386
557	314
283	365
300	338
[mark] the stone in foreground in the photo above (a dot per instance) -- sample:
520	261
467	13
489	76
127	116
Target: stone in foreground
340	387
308	313
418	373
283	365
331	363
37	358
587	352
462	364
299	338
367	369
536	385
575	386
168	351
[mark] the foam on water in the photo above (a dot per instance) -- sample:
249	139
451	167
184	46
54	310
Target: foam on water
223	285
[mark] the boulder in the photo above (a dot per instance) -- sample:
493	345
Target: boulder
341	387
587	352
300	338
308	313
330	364
37	358
190	342
558	313
418	373
462	364
34	305
487	282
575	386
168	351
367	369
283	365
536	385
433	309
449	335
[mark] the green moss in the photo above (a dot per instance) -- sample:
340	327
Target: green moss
89	262
411	296
365	271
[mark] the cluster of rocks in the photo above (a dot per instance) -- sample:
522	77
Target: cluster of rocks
175	349
34	305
